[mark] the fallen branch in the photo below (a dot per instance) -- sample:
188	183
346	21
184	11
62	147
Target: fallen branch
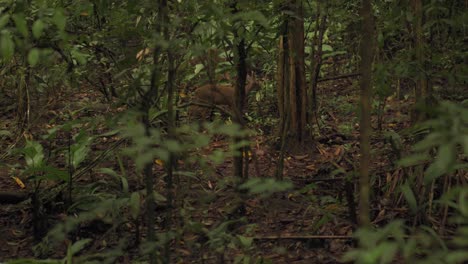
302	237
339	77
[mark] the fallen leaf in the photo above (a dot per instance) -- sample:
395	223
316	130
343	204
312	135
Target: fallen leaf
19	182
301	157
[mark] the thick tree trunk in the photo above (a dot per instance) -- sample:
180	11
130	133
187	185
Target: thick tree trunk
292	89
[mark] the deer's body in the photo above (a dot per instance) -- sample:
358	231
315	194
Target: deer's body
220	95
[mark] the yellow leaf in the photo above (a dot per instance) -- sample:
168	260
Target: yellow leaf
159	162
142	53
84	14
332	207
19	182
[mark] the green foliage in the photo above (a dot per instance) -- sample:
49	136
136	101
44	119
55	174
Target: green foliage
265	186
422	245
36	166
48	47
448	135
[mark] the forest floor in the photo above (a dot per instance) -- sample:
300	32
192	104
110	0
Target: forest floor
312	223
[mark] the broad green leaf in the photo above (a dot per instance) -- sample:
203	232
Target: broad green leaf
59	19
4	20
21	25
326	47
33	56
38	28
7	46
33	154
80	149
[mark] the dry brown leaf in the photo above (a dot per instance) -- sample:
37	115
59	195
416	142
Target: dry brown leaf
301	157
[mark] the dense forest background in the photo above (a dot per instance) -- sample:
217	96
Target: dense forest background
233	131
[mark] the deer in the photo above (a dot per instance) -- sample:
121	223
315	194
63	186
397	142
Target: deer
217	95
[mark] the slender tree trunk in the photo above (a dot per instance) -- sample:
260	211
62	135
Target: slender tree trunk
241	67
170	165
317	62
280	76
147	100
421	91
367	53
282	81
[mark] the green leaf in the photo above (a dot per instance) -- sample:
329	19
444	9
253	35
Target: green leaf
21	25
410	198
109	171
4	20
44	172
173	146
80	149
326	47
135	205
34	261
245	241
79	245
79	56
266	186
7	46
59	19
33	154
445	159
457	256
5	133
413	160
33	56
38	28
159	198
198	68
464	142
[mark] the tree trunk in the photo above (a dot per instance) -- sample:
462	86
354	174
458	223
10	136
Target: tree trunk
421	91
367	53
292	90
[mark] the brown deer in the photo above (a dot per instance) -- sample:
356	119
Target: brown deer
219	95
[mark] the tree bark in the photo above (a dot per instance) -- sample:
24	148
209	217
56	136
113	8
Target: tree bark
292	89
367	54
421	91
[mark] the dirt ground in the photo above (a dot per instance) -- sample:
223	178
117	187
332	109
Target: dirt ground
309	224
